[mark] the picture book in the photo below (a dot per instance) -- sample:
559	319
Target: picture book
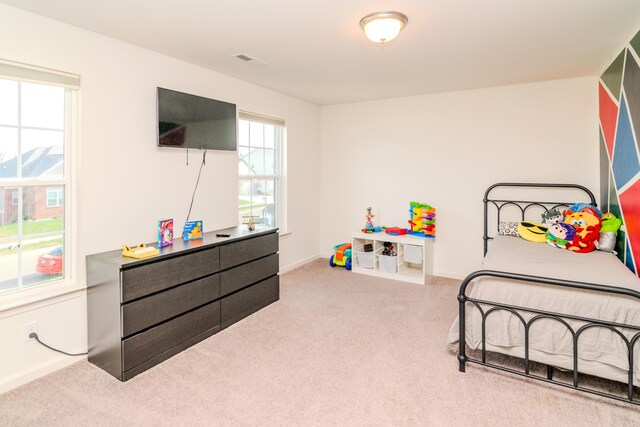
192	230
165	233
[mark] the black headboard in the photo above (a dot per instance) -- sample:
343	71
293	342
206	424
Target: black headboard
523	205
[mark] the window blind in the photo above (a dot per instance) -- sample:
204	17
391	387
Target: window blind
15	70
261	119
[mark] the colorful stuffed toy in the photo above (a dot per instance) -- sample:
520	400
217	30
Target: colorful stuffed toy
579	207
587	224
608	232
551	217
560	235
532	231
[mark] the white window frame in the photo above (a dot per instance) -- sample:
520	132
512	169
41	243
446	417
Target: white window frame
32	74
14	197
281	165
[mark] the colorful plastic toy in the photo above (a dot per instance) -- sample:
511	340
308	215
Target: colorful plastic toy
369	227
395	231
422	220
342	256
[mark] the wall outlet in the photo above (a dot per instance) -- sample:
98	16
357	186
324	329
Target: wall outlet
28	329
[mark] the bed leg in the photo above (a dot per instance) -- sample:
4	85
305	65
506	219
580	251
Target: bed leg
462	357
461	363
549	372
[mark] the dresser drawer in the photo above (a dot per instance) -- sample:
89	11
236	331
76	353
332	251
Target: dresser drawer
249	300
247	250
246	274
153	342
141	281
146	312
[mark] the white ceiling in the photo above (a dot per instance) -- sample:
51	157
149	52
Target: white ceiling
316	51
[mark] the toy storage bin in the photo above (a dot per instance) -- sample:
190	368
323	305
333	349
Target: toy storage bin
413	254
388	264
365	259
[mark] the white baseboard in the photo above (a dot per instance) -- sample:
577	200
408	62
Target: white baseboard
24	377
299	264
445	274
448	275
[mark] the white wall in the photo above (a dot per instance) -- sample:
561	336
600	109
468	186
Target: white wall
125	184
445	150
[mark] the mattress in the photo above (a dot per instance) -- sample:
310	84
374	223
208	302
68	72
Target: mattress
601	352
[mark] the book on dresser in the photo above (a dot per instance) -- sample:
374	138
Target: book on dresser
143	311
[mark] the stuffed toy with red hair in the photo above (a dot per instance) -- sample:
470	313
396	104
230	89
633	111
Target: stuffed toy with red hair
587	224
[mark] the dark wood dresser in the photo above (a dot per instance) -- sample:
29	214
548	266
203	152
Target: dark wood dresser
141	312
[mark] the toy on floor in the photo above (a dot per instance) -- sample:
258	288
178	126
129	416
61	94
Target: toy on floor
422	220
342	256
369	227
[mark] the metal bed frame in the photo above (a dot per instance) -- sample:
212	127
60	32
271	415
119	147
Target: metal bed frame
463	299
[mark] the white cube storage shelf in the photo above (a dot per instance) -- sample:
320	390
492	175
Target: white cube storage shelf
413	262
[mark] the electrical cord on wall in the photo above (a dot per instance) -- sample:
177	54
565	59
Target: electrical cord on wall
34	336
204	162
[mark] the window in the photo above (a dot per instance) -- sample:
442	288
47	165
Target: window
37	120
54	197
262	187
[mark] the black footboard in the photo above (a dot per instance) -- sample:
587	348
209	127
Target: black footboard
482	305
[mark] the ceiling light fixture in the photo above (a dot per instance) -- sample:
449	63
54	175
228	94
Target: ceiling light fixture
382	27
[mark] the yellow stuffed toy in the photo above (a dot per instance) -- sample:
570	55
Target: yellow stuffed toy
532	231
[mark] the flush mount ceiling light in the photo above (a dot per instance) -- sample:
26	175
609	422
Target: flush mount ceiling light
382	27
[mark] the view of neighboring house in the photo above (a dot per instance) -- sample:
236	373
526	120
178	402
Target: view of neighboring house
40	202
258	184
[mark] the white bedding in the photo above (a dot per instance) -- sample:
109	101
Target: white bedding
601	352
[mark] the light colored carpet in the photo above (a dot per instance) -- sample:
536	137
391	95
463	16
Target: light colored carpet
339	348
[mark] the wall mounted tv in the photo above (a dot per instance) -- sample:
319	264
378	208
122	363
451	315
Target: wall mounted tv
190	121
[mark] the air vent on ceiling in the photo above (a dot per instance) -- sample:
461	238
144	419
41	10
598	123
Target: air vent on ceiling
249	60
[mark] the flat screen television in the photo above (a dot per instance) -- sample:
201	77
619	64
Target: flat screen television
190	121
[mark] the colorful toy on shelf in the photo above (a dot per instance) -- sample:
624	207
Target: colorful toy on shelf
389	250
395	231
369	227
342	256
422	220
